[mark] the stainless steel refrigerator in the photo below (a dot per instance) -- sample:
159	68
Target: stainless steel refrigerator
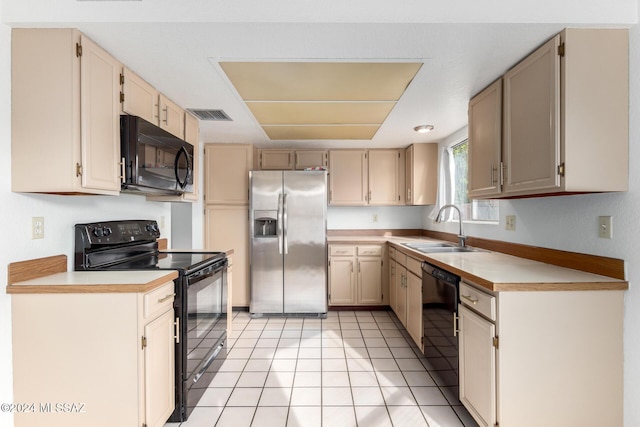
288	211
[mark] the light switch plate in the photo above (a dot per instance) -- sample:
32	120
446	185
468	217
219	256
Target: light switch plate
605	224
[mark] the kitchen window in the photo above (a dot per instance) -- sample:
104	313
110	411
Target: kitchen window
472	210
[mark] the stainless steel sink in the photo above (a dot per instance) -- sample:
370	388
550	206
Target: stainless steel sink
421	245
429	248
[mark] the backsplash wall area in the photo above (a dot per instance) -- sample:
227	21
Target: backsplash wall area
374	217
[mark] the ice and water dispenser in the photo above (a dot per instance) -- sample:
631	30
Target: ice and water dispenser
265	223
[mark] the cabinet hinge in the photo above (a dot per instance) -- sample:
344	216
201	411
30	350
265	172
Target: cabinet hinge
561	169
496	342
503	172
143	342
78	169
144	424
121	79
78	50
561	50
121	97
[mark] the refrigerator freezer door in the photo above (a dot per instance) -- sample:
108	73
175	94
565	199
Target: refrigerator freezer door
305	262
266	253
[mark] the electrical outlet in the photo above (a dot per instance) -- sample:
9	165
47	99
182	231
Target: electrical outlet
37	227
510	222
375	217
605	230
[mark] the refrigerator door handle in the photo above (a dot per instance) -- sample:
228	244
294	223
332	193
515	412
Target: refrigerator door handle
284	214
280	223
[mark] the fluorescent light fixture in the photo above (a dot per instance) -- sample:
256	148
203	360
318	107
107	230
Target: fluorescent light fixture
423	128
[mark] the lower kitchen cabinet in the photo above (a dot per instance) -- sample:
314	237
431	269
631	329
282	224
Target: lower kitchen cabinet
408	294
94	359
226	227
541	358
356	275
477	358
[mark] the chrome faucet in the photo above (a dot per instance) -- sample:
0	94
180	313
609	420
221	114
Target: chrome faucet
461	236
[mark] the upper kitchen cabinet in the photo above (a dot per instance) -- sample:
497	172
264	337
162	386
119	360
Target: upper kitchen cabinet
171	116
275	159
421	171
384	174
348	184
565	120
75	145
311	159
141	99
287	159
364	177
485	142
227	169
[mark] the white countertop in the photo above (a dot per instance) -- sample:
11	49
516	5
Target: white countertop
95	282
496	271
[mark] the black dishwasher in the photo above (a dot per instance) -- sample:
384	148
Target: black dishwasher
440	292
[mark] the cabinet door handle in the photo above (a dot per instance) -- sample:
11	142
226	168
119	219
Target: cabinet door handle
166	115
123	170
168	297
468	298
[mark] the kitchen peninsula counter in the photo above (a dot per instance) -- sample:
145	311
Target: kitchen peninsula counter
93	282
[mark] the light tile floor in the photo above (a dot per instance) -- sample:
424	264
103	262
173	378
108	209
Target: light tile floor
354	368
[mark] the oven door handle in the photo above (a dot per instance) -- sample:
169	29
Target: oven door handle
208	362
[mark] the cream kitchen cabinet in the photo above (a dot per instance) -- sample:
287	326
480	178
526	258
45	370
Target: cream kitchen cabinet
579	77
75	145
171	116
421	174
485	143
356	275
518	348
226	227
288	159
348	178
393	284
226	168
138	97
384	177
226	196
408	295
109	354
311	159
364	177
141	99
273	159
342	275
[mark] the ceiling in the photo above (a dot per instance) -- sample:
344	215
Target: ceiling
182	47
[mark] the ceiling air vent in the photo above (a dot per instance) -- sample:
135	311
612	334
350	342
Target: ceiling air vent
211	115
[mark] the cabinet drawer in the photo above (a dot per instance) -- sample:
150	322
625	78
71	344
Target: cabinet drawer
477	300
342	250
414	266
401	258
370	250
159	300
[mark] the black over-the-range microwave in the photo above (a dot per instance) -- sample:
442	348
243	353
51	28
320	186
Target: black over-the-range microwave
154	161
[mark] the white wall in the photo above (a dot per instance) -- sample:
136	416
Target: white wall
362	217
60	214
570	223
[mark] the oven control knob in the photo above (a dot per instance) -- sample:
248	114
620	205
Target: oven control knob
153	228
98	231
107	231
